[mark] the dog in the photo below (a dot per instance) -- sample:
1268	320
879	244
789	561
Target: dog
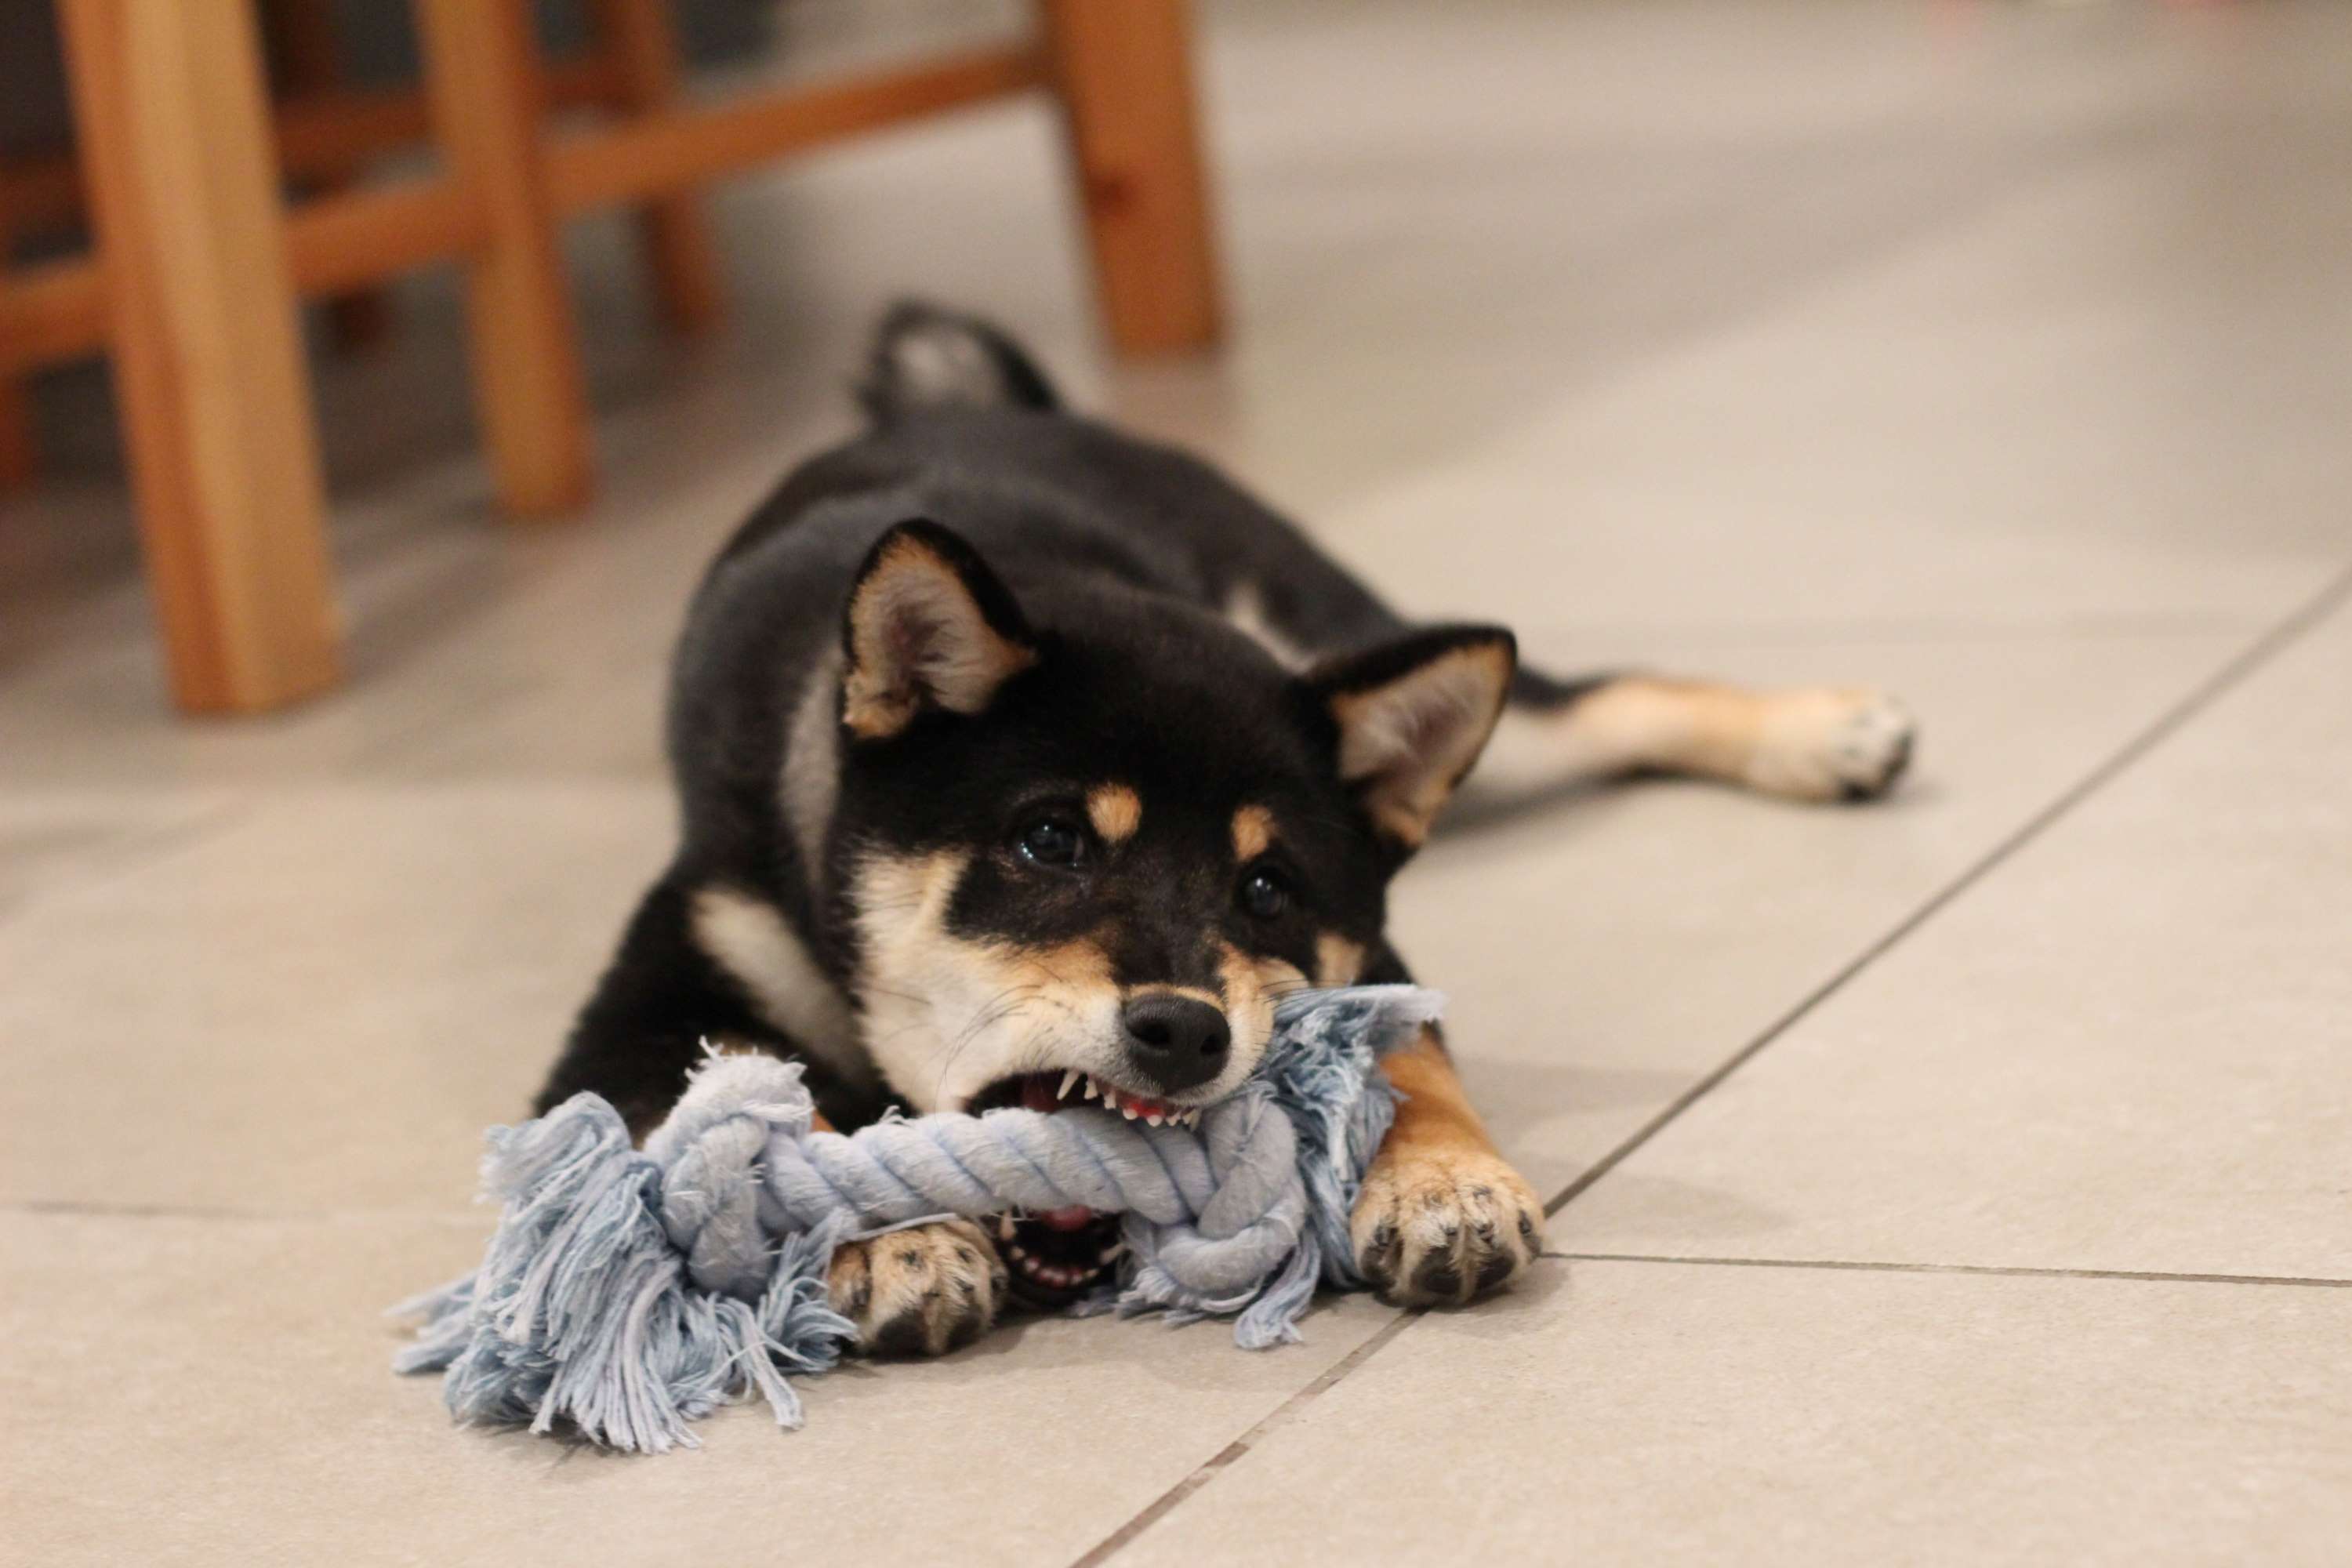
1022	762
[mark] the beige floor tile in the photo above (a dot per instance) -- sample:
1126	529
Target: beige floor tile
1603	952
66	838
1861	317
2129	1047
319	1006
1645	1413
216	1391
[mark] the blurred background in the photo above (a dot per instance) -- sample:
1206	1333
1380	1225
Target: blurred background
1961	1179
1331	243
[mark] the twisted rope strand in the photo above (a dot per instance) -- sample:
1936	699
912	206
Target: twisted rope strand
630	1292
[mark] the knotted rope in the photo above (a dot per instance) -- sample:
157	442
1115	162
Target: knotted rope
630	1292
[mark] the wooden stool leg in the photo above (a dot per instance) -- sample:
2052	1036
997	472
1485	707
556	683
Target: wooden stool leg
302	33
481	65
174	137
20	457
677	232
1123	76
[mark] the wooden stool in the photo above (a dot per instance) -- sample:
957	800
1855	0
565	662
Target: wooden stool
199	259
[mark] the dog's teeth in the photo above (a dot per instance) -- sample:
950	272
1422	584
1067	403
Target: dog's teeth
1094	1089
1110	1253
1127	1110
1068	1079
1019	1254
1004	1227
1155	1118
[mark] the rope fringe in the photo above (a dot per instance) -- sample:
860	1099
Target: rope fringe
626	1294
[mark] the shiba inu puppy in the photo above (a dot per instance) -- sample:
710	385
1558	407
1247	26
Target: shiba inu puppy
1023	763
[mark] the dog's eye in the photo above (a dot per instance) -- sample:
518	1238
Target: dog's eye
1053	839
1264	895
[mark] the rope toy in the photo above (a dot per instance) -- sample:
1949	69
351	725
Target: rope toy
627	1292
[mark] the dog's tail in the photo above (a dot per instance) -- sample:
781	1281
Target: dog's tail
925	357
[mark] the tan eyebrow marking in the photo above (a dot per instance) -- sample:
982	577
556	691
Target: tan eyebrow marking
1253	833
1116	811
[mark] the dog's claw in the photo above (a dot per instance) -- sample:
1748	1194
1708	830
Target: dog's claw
924	1290
1443	1227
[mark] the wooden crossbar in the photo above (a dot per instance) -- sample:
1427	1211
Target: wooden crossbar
57	311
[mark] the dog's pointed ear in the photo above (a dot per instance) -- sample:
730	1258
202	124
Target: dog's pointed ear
927	625
1412	715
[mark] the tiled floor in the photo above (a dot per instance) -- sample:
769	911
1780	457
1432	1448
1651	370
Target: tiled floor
1962	1180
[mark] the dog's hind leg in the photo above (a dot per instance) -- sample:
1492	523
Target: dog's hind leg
1807	743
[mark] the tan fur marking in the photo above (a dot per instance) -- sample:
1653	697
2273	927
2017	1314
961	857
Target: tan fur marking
1337	961
1251	985
1116	811
1436	1113
925	1289
945	1015
1691	726
1083	965
1442	1217
749	938
1253	833
1411	741
915	632
1809	743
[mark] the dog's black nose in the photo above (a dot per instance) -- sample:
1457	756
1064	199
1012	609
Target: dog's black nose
1179	1042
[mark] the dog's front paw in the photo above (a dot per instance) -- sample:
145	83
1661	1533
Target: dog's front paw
1440	1226
924	1290
1832	743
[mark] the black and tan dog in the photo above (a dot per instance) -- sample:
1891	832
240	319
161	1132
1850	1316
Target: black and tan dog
1024	762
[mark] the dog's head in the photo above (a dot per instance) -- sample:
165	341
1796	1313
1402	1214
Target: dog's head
1082	848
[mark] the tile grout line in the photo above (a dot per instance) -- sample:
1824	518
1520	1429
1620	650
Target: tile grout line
1991	1270
1216	1464
2232	671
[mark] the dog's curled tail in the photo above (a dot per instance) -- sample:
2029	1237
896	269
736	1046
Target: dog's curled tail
925	357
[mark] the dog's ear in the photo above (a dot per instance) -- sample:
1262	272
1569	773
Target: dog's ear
927	625
1412	716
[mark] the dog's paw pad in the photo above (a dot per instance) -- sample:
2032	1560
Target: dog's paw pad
924	1290
1832	744
1443	1227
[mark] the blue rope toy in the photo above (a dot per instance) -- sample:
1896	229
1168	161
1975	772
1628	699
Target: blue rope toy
627	1293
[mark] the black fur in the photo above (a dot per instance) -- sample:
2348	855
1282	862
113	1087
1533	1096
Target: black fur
1116	562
